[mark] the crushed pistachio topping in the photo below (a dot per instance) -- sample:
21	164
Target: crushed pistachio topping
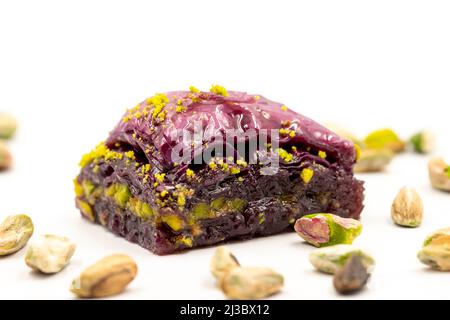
130	155
101	151
212	165
164	193
322	154
286	156
146	168
284	108
181	199
235	170
307	174
160	177
158	101
180	109
242	163
193	89
288	132
215	88
190	173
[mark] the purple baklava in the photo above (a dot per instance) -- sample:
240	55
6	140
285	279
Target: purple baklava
190	168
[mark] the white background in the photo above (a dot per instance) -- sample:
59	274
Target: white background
68	70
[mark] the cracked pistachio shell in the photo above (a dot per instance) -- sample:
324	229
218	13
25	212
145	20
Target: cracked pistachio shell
436	250
407	208
222	262
50	253
251	283
330	259
5	157
373	160
15	231
384	139
439	173
423	142
326	229
8	126
108	276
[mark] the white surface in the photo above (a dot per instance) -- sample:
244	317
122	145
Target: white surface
69	69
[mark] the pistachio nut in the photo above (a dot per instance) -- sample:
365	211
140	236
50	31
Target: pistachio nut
436	250
8	126
15	231
373	160
384	139
423	142
439	172
222	262
251	283
50	253
407	208
330	259
5	157
326	229
108	276
352	277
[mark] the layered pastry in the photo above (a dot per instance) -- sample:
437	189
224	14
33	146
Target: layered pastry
190	168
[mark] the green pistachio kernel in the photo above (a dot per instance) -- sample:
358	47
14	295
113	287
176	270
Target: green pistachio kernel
384	139
423	142
218	203
120	193
78	188
373	160
86	209
236	204
201	211
325	229
331	259
88	187
173	221
140	208
447	171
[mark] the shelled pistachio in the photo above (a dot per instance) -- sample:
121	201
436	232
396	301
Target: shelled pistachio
373	160
423	142
325	229
222	262
251	283
436	250
15	231
330	259
384	139
439	173
108	276
50	253
407	208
